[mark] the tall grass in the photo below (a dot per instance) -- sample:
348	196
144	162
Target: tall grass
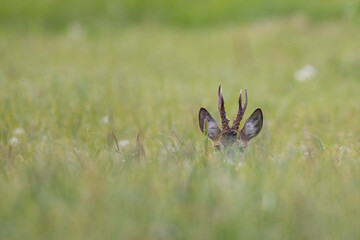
62	97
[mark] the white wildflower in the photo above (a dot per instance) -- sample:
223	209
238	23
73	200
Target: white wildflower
305	73
13	141
105	120
123	143
18	131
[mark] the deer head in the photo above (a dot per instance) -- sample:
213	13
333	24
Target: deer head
229	137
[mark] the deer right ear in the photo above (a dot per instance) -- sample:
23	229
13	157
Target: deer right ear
213	129
253	125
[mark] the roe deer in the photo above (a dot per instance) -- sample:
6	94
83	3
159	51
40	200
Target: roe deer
231	137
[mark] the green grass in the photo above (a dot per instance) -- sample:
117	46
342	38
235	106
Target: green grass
64	179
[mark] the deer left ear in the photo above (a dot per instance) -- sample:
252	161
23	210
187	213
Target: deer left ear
213	129
253	125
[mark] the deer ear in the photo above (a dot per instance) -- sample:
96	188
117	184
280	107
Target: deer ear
213	129
253	125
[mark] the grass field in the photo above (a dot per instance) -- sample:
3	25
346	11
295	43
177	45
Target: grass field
63	95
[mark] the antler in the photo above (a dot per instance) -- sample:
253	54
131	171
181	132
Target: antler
224	120
241	111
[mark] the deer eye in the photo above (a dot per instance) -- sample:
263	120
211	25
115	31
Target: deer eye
217	147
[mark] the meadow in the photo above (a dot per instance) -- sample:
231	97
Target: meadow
64	95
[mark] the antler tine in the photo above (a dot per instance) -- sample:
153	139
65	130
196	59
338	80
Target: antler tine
224	120
246	101
241	111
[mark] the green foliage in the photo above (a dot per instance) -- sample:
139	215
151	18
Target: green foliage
63	95
57	14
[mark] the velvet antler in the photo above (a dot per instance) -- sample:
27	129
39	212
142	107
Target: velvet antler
224	120
240	114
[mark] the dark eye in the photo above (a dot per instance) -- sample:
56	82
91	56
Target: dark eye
217	148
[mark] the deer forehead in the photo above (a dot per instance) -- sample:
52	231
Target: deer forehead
228	137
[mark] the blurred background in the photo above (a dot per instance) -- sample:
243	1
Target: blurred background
161	53
56	14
